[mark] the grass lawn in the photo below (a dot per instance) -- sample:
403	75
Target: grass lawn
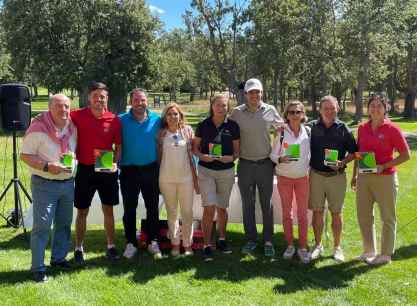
229	279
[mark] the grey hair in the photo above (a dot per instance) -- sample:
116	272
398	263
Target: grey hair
56	97
328	98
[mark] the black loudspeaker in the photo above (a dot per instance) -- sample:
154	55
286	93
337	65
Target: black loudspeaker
15	103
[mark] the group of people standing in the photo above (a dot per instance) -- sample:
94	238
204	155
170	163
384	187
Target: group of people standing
155	154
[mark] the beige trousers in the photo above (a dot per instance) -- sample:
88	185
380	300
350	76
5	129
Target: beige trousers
381	189
182	193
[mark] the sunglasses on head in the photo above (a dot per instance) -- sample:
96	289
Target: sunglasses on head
298	112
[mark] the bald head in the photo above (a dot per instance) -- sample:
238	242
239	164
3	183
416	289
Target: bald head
56	98
59	106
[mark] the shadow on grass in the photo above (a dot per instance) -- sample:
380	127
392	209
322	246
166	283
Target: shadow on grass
291	276
333	276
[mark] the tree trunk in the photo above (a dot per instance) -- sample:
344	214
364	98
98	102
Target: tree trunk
391	89
344	102
275	88
359	99
312	97
362	82
283	100
83	96
409	107
117	101
338	93
237	91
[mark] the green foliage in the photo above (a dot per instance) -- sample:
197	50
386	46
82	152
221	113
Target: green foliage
6	71
68	43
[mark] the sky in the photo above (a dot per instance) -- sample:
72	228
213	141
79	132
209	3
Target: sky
169	11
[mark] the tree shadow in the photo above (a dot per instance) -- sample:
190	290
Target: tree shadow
18	242
328	277
292	276
334	276
95	240
405	252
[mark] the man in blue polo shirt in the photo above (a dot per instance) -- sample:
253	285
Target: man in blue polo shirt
140	170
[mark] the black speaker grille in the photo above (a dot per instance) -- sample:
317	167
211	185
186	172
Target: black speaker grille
15	104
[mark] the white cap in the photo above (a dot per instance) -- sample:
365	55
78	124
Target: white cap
253	84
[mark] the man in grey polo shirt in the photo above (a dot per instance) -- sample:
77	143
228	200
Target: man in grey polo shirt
255	169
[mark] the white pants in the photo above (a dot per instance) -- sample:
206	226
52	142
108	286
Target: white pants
182	193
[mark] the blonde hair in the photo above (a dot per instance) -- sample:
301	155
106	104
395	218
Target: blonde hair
294	103
218	97
164	123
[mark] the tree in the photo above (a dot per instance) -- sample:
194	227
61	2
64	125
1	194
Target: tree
173	66
68	43
6	71
405	34
363	26
221	26
275	34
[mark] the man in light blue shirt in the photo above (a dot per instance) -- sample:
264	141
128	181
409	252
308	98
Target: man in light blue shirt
139	170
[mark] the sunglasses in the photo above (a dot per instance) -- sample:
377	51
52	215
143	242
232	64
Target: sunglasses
176	140
298	112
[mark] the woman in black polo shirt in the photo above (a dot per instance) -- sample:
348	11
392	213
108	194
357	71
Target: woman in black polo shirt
216	143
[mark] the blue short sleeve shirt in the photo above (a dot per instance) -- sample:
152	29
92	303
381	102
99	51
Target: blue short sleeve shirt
139	140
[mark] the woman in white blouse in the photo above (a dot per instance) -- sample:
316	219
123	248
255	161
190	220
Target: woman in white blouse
291	152
177	177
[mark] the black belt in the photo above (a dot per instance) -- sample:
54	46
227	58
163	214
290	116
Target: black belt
52	180
141	167
257	162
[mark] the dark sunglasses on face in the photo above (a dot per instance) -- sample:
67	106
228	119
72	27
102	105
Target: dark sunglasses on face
176	140
298	112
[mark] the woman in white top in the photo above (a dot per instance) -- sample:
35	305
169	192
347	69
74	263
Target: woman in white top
177	175
291	152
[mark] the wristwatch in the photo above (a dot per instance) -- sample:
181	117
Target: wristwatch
46	167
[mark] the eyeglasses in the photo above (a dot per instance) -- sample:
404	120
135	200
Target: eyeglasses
298	112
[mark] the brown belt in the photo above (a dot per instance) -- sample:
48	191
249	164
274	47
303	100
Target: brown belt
329	174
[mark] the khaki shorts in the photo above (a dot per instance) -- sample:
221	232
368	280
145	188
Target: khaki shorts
330	188
215	186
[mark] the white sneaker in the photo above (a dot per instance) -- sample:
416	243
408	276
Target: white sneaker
130	251
338	255
304	256
188	252
317	252
153	248
175	251
289	252
379	260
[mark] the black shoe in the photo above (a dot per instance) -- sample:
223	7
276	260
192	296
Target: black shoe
112	254
61	264
40	277
79	257
207	254
223	247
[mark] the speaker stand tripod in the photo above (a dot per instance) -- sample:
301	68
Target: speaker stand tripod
16	218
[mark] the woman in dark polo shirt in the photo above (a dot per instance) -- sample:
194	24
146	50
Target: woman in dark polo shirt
216	143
